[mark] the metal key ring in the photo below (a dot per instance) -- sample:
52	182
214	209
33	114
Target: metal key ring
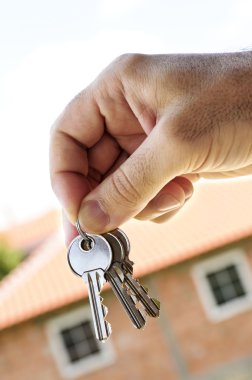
82	233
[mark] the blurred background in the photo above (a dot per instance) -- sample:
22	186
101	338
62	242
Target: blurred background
50	50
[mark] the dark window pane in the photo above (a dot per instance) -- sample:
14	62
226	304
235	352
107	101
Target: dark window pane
93	345
222	277
228	292
213	281
73	355
78	334
66	334
239	289
80	341
226	284
82	349
89	332
219	299
233	273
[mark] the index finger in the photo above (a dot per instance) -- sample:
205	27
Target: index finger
78	128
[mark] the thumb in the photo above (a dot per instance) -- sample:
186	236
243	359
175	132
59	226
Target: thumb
126	192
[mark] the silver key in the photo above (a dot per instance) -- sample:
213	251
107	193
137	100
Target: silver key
90	261
151	305
126	247
115	276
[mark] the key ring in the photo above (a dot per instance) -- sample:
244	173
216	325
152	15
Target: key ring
82	233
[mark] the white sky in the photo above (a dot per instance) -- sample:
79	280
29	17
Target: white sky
52	49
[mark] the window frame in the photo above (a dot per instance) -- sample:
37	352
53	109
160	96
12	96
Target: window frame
68	369
214	312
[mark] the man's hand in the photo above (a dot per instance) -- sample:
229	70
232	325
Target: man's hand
131	143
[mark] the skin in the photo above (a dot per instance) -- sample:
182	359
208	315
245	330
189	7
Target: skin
133	142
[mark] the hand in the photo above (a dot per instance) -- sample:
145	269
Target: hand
131	143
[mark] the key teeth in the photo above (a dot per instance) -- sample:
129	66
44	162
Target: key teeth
144	315
152	312
129	263
100	281
120	271
145	288
116	277
109	331
107	323
156	302
140	306
104	310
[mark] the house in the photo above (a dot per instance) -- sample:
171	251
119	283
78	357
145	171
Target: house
199	265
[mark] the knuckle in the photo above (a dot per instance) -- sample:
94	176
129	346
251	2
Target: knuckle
128	59
130	64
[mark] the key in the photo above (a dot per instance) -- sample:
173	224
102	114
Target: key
115	276
89	258
123	238
126	246
151	305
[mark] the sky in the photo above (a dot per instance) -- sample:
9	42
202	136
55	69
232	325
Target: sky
50	50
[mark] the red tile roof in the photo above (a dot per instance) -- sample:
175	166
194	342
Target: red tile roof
219	213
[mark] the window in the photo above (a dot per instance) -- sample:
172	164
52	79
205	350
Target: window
74	345
224	283
80	341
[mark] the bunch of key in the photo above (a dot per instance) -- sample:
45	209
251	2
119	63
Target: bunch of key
105	258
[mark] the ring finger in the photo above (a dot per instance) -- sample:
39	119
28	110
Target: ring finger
170	198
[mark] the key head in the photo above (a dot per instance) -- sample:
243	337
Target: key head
123	238
116	246
127	263
84	257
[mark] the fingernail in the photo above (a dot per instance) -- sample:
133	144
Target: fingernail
166	202
92	217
